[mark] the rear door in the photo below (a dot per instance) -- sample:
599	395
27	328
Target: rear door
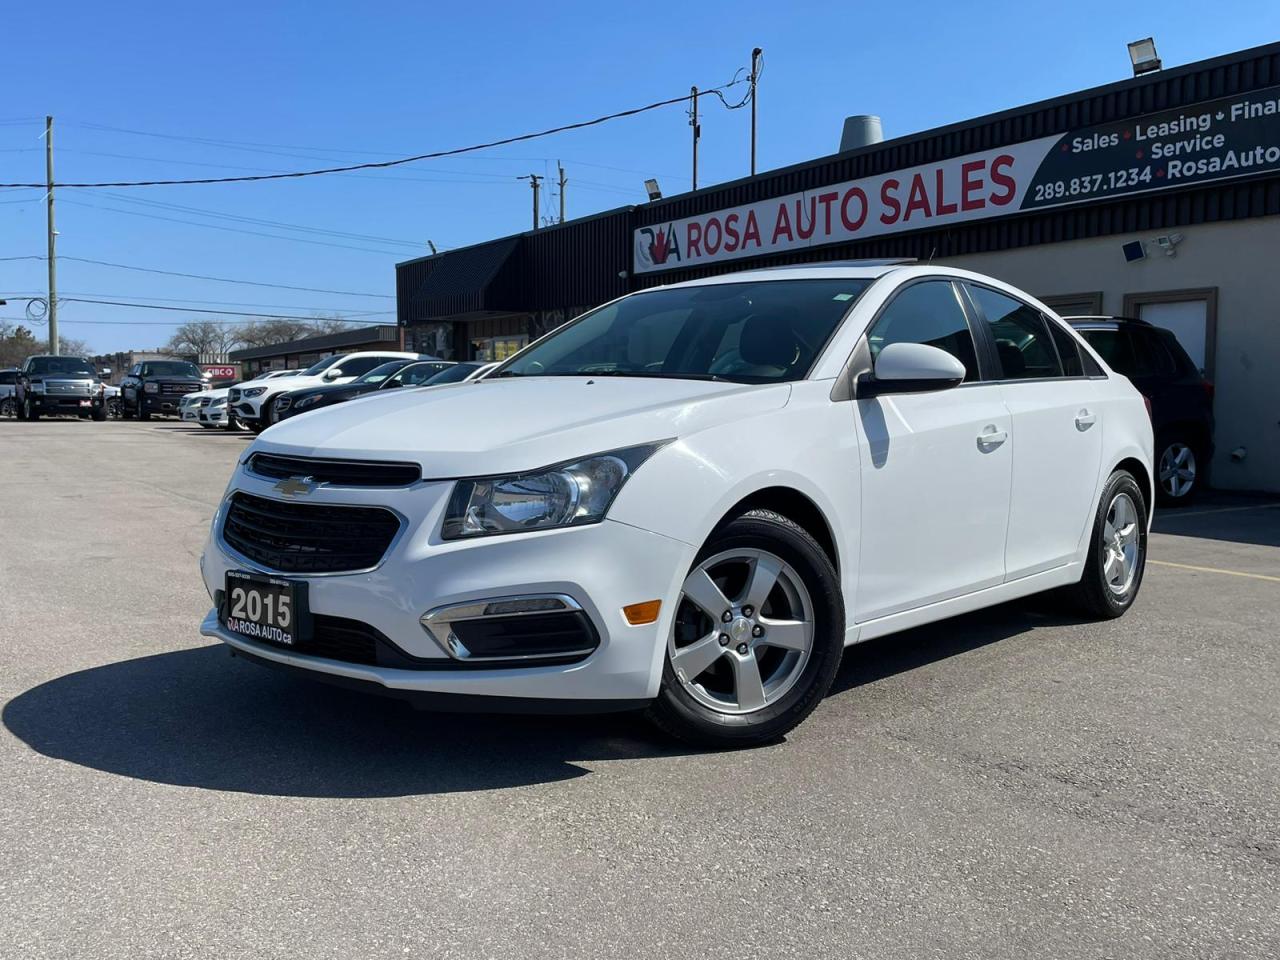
1057	429
935	467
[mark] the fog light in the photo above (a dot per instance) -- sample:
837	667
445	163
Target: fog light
638	613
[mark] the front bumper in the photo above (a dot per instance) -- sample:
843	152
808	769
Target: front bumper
603	567
160	404
214	415
64	403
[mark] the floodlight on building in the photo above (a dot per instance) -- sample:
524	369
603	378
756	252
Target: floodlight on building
651	187
1142	54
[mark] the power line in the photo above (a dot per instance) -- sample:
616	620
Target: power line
201	276
156	306
217	303
214	226
383	164
205	212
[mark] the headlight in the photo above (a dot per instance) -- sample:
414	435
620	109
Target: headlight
254	392
307	402
37	386
561	496
151	387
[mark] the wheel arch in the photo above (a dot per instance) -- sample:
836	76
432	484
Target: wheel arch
1141	476
795	506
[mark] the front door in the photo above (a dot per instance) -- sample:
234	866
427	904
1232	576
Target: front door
1057	429
936	468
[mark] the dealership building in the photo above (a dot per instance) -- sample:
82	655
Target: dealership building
1156	197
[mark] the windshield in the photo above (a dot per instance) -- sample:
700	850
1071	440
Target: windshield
416	374
69	365
320	366
381	372
763	331
454	374
170	368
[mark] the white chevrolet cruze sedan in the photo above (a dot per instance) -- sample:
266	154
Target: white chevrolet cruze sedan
691	499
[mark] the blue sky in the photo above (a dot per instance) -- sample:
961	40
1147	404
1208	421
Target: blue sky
281	86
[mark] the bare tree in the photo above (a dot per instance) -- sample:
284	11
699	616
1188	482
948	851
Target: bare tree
266	333
203	338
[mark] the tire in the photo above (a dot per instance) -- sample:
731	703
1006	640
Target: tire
28	410
8	408
1180	463
257	426
142	413
751	690
114	411
1101	593
100	413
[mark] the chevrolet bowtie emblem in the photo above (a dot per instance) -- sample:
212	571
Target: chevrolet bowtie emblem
298	486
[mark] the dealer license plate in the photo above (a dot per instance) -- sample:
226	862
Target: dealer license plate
265	608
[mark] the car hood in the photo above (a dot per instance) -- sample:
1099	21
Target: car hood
510	425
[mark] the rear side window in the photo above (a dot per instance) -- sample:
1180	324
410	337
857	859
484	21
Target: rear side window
1150	355
1114	347
1068	350
8	376
927	313
1021	337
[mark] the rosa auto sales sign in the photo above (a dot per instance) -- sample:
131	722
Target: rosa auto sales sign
1231	137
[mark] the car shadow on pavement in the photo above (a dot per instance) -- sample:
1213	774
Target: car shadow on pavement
887	656
1231	518
201	718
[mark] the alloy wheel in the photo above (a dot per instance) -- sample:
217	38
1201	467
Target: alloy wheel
1177	469
743	631
1121	544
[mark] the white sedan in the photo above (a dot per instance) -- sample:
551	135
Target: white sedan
692	499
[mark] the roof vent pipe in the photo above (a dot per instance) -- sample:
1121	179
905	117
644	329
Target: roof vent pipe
860	131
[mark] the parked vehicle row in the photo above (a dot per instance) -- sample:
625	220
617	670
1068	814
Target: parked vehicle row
689	500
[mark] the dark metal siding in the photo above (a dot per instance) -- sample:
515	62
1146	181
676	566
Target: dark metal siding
579	263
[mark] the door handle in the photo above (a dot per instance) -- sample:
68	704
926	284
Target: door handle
990	438
1085	420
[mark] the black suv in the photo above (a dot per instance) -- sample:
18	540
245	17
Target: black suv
1181	398
158	386
48	384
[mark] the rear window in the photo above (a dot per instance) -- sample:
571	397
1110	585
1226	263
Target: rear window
1114	348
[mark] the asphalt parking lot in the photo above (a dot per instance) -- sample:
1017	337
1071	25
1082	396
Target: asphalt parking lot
1013	783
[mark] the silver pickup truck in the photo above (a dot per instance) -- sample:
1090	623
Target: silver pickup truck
68	385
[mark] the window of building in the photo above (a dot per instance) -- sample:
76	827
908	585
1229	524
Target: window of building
488	349
927	313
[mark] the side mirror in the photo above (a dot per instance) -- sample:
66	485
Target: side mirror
104	372
333	373
910	368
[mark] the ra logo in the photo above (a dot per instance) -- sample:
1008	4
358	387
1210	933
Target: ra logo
658	245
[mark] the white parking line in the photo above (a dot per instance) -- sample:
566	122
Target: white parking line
1230	573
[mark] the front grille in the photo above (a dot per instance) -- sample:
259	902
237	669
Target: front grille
178	389
307	537
340	473
284	402
336	638
205	401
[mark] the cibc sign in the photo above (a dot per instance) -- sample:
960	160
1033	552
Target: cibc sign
220	371
1221	139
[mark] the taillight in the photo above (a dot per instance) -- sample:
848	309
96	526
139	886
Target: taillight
1146	402
1208	390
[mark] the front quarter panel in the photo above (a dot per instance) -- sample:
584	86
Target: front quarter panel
809	445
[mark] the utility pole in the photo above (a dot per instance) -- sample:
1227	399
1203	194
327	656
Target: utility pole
697	132
563	181
53	259
534	180
755	76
